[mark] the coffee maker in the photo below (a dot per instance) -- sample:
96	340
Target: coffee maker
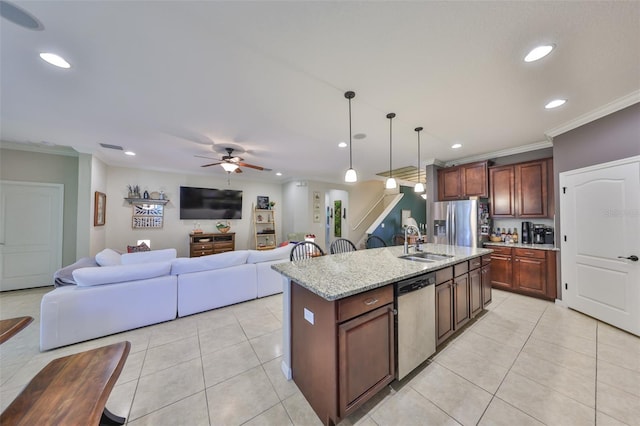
526	236
539	232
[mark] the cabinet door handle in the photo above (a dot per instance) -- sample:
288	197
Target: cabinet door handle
370	302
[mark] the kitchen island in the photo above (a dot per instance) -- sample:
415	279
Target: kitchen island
338	319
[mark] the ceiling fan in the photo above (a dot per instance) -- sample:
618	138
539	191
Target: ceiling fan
231	163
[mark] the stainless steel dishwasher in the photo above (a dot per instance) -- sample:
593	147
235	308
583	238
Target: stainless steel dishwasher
415	322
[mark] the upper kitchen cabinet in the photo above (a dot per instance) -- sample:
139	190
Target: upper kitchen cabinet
463	181
523	190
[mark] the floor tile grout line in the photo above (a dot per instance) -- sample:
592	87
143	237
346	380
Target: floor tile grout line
494	395
204	381
433	402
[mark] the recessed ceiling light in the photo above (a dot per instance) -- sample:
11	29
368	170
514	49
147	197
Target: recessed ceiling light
539	52
555	103
131	153
278	174
456	145
54	59
342	145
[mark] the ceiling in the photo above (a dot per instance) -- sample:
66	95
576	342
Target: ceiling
174	79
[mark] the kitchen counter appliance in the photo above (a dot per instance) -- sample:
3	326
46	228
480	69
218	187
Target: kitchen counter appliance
526	236
415	322
538	233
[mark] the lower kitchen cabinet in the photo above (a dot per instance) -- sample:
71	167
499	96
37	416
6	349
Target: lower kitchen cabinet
343	351
475	287
523	270
453	304
485	273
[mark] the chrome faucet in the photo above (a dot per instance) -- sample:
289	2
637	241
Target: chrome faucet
406	243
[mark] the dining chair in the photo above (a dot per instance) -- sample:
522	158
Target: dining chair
341	245
305	250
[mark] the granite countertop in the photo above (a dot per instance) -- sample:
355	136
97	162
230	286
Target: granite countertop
337	276
525	246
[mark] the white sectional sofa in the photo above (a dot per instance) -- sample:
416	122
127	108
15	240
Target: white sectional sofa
138	289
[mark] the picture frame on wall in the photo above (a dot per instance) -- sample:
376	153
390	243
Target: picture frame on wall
263	202
99	208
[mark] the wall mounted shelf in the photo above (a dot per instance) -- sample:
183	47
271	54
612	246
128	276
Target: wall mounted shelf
146	201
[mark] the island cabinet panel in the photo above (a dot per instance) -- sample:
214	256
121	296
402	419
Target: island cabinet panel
485	274
475	288
444	311
461	299
342	352
366	357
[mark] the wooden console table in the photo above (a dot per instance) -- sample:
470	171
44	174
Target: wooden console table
10	327
72	390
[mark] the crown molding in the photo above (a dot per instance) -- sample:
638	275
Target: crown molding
610	108
40	148
503	153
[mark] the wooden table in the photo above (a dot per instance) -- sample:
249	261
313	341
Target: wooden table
72	390
10	327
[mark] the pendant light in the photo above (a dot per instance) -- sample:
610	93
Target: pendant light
391	182
350	176
419	186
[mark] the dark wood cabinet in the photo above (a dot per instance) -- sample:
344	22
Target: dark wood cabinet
366	357
531	189
453	304
485	274
463	181
523	190
342	352
475	287
502	191
206	244
527	271
501	268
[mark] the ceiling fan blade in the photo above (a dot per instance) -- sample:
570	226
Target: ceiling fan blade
209	158
252	166
208	165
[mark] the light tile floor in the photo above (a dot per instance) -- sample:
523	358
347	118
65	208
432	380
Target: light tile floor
524	362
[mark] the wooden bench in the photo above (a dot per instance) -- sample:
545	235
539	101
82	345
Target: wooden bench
72	390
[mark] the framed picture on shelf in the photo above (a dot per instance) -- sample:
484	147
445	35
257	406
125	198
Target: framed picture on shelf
263	202
99	209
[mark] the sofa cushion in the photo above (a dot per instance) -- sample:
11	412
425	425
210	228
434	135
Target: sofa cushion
165	255
204	263
64	276
86	277
108	257
257	256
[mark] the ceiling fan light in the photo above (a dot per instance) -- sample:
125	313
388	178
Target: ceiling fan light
229	167
390	183
419	187
351	176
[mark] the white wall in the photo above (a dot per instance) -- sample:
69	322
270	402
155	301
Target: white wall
98	234
175	232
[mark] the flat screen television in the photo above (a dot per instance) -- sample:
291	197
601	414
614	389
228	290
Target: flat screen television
207	203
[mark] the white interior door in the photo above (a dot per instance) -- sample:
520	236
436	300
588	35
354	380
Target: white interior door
30	234
600	219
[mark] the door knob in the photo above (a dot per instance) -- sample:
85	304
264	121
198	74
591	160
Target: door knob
632	258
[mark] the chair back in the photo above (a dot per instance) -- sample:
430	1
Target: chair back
305	250
341	245
374	242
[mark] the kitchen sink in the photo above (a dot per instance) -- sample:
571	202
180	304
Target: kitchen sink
426	256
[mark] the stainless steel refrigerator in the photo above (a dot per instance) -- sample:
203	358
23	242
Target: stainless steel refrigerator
461	223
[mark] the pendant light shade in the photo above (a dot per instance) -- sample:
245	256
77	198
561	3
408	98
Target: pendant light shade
419	186
391	182
350	176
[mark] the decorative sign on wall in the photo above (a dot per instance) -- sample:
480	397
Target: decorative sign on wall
147	216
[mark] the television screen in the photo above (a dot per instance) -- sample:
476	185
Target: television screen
207	203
